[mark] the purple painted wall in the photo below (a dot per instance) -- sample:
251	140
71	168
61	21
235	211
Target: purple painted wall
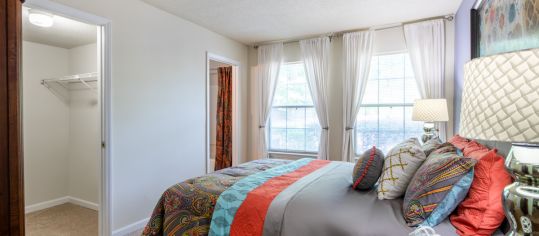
462	53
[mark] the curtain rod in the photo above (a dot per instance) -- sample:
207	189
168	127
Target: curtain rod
450	17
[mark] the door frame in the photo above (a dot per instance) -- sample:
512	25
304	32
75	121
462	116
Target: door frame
236	129
11	156
104	67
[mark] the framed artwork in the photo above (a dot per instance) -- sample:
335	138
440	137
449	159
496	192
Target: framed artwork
500	26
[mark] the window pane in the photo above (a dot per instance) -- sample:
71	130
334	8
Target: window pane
391	127
278	118
391	91
311	119
312	140
277	139
296	118
385	118
366	129
295	139
296	95
294	125
281	95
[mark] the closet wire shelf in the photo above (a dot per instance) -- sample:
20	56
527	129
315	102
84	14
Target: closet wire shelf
66	81
62	87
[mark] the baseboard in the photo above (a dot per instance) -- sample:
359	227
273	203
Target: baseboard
130	228
47	204
59	201
84	203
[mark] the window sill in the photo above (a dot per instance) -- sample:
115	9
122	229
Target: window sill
291	155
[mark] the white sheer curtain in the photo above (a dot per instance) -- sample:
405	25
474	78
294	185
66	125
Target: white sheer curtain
315	54
426	45
269	62
357	51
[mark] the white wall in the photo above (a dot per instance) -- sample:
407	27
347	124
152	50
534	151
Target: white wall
158	101
84	129
61	131
45	124
386	41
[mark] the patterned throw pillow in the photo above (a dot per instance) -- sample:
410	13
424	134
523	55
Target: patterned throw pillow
432	184
431	145
400	165
444	148
368	169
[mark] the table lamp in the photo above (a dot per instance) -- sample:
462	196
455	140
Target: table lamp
430	111
500	102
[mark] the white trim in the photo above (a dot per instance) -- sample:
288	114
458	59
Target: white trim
131	228
46	204
236	115
105	192
83	203
59	201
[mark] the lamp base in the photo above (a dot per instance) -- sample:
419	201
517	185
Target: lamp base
429	132
521	198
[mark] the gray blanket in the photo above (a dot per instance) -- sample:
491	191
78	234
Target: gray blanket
324	204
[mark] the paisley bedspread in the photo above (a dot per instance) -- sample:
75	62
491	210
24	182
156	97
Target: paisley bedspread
187	208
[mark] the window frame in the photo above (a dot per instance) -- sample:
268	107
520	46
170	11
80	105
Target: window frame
285	152
404	105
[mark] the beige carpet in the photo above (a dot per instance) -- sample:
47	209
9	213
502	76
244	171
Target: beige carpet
63	220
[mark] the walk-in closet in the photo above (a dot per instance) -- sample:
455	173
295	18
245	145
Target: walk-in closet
61	124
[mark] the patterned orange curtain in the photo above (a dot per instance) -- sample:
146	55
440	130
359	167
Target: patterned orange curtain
223	152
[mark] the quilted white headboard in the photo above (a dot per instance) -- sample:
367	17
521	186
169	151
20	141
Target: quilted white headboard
489	111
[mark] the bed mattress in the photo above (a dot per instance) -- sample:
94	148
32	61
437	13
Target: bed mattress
321	203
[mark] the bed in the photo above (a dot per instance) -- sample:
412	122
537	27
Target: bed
318	201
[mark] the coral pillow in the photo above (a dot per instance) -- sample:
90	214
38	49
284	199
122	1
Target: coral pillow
459	141
481	212
475	150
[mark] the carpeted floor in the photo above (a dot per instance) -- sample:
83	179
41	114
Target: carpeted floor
63	220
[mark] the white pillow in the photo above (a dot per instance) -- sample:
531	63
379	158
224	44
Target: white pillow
400	165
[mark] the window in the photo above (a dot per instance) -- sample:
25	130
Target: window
293	124
385	116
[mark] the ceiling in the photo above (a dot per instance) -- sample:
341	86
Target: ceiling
255	21
65	33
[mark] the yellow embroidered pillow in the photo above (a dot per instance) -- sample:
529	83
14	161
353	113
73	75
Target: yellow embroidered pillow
400	165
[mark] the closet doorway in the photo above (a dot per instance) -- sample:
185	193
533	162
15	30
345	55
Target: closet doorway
221	113
62	93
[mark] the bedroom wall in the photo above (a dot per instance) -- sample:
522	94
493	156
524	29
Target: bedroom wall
44	119
386	41
84	129
462	53
158	100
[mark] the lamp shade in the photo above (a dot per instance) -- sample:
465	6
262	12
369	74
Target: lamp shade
500	101
430	110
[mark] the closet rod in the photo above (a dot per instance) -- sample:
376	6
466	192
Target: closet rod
450	17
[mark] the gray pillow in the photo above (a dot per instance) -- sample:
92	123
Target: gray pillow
431	145
368	169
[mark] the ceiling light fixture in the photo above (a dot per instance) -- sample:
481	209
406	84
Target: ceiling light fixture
41	19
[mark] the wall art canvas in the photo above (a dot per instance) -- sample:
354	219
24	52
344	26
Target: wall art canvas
507	25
